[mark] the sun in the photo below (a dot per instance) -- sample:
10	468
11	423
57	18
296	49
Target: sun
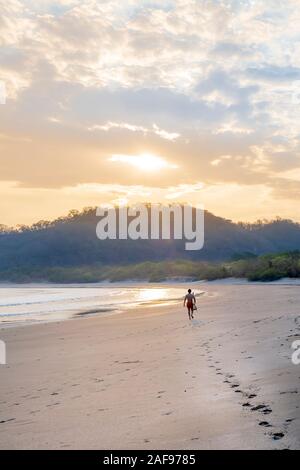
145	162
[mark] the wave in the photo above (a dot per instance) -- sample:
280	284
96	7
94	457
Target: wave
45	304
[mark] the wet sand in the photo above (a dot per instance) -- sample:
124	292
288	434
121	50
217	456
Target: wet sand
150	379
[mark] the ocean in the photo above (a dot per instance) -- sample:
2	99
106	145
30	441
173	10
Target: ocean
31	303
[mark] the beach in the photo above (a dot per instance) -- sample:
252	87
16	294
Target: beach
147	378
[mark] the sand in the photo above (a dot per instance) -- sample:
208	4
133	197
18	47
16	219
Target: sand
150	379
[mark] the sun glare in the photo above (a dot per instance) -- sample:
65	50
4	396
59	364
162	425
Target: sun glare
145	162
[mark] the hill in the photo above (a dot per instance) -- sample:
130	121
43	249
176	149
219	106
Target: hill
71	242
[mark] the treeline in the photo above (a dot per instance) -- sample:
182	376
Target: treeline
253	268
265	268
70	243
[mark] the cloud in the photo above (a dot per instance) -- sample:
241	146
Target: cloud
134	128
189	81
143	162
231	49
275	73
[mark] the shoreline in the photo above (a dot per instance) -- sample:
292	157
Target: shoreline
132	283
47	304
149	379
116	309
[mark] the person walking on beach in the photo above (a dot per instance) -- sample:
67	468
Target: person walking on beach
190	302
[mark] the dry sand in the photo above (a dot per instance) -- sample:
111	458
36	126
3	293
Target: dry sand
149	379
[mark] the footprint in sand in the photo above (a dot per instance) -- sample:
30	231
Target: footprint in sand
277	435
265	424
259	407
267	411
262	409
7	420
290	420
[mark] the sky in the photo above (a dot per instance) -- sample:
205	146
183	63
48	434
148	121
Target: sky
193	101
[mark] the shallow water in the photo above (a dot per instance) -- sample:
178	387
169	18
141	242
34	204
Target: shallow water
43	303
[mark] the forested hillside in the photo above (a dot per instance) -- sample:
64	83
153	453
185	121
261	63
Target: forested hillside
71	242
